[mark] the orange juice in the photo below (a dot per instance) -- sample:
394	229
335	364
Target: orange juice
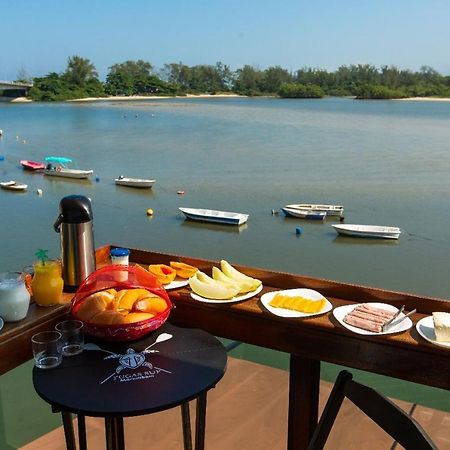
47	284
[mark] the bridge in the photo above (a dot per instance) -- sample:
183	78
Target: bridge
13	89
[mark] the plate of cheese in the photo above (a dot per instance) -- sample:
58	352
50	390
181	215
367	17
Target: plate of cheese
296	303
435	328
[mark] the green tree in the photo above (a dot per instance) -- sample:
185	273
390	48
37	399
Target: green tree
248	81
297	90
273	78
79	71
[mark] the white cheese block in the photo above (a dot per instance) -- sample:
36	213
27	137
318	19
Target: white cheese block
441	321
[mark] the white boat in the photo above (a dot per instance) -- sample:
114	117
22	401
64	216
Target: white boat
368	231
134	182
13	186
304	213
331	210
57	167
211	215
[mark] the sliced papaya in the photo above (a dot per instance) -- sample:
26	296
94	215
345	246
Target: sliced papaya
165	274
183	270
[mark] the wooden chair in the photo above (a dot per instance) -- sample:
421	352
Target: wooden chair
402	427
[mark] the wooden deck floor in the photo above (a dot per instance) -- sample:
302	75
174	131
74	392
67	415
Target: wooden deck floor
248	410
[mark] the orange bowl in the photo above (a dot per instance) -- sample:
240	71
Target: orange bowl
121	277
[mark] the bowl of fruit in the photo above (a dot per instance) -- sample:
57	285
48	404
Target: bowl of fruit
121	303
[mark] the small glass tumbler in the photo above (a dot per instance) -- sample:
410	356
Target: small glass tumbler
72	337
47	349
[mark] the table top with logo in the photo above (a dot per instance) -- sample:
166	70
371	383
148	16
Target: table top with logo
170	366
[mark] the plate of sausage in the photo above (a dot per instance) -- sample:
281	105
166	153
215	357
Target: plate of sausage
370	318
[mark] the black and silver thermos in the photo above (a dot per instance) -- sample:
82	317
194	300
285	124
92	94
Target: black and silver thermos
74	224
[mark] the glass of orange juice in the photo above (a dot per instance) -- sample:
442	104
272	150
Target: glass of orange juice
47	284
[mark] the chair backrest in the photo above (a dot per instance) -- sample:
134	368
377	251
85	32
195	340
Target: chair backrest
402	427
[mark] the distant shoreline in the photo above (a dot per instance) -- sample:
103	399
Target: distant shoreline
153	97
424	99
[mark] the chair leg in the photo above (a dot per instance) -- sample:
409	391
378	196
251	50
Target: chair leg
186	421
68	430
200	421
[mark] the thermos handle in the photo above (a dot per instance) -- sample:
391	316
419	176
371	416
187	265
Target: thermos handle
57	224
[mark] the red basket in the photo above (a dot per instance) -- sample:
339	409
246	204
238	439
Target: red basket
121	277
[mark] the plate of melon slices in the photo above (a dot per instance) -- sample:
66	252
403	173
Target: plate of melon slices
296	303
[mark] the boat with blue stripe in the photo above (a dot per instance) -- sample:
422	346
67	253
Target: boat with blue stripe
211	215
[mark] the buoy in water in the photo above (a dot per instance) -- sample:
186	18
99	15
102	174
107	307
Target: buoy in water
299	230
149	212
2	158
39	191
275	212
97	179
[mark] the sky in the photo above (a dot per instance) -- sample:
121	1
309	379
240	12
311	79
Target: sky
38	36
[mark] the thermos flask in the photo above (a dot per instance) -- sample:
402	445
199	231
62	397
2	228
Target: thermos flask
74	224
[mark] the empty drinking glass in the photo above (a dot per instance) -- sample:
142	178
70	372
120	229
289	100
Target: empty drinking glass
47	349
72	337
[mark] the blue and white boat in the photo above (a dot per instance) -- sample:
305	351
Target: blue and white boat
57	166
304	213
211	215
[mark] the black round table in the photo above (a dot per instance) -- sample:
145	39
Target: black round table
167	368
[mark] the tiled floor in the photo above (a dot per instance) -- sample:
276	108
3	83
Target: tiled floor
248	410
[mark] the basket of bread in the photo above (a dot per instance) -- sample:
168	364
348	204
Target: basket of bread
121	303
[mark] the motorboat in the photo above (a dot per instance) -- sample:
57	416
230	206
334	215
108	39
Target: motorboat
368	231
304	213
13	186
134	182
331	210
211	215
32	165
58	166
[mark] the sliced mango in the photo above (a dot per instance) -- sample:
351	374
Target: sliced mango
183	270
165	274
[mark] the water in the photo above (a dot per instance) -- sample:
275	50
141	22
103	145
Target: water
387	162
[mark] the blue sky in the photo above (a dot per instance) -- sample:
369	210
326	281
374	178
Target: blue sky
39	36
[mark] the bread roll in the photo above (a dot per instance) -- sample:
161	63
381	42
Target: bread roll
127	297
93	305
107	317
153	304
133	317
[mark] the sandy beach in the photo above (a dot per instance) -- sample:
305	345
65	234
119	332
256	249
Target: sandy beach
424	99
153	97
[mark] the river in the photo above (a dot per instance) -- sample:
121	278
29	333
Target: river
387	162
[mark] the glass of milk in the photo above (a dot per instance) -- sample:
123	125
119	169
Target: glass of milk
14	297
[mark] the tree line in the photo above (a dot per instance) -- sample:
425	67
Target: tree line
364	81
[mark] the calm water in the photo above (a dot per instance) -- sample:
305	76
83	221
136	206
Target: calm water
388	163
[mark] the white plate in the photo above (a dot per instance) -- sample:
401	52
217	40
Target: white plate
175	284
1	323
425	327
341	312
306	293
238	298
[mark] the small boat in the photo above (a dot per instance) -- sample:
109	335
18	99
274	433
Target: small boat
304	213
134	182
331	210
368	231
13	186
57	166
211	215
32	165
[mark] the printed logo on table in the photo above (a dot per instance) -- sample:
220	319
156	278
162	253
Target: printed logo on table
133	366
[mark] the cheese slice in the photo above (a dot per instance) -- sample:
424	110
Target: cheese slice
441	321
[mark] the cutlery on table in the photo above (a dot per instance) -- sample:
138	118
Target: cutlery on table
400	320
